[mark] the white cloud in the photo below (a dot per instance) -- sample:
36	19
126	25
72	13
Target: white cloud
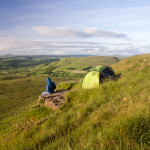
59	52
73	33
106	34
107	50
28	47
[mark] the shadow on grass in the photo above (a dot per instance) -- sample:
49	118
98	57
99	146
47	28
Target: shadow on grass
118	76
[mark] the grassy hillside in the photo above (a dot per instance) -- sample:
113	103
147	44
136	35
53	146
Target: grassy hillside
17	94
22	79
114	116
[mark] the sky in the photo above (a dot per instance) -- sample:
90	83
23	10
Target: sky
75	27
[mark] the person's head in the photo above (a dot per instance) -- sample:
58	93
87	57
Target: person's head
48	79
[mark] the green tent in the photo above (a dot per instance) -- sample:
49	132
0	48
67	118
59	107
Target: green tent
99	68
93	78
105	70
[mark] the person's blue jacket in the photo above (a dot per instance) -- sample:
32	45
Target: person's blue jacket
50	86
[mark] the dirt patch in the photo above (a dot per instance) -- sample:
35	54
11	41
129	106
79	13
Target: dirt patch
53	100
79	71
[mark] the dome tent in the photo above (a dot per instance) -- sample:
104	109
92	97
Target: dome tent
93	78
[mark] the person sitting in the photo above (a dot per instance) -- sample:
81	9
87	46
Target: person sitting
49	87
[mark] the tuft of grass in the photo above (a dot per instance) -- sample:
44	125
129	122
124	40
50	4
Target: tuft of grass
69	85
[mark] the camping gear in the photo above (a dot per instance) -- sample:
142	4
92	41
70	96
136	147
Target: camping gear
106	70
96	76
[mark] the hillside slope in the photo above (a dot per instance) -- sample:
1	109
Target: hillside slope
52	66
114	116
85	62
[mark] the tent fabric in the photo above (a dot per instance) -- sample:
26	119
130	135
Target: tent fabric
105	70
93	78
100	68
109	71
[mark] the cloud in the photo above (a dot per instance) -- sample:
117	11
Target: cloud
107	50
73	33
27	47
106	34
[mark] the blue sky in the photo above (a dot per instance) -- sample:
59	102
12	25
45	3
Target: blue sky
65	27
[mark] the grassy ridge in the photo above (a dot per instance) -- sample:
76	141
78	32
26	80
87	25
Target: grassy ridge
114	116
84	62
52	66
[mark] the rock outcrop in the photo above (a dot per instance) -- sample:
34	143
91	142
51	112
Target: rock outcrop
53	100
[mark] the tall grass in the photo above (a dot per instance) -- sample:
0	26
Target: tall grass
115	115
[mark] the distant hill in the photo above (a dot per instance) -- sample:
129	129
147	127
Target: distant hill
51	66
85	62
115	115
39	56
8	55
